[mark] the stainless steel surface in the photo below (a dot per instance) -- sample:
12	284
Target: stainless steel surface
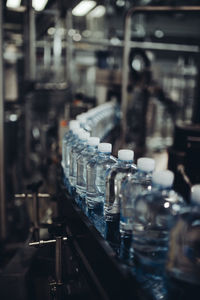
127	38
2	137
59	259
30	37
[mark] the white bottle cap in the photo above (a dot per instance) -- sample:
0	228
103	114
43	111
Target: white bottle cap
73	124
93	141
83	135
125	154
81	118
76	130
105	147
195	193
146	164
163	178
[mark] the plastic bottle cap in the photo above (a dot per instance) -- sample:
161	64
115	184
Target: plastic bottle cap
73	124
93	141
125	154
163	178
76	130
105	147
195	193
83	135
81	118
146	164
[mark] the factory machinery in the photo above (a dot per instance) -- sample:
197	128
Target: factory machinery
48	247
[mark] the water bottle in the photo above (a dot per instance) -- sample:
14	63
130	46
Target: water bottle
82	160
66	140
78	146
92	120
96	184
154	212
84	122
183	263
132	186
68	147
114	177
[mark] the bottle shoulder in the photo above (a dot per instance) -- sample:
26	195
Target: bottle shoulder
166	199
132	181
86	153
116	172
190	211
105	159
124	165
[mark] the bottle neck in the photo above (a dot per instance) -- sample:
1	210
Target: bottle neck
92	148
145	173
82	142
161	187
104	154
75	136
125	162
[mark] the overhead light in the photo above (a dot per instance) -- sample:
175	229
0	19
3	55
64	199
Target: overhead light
97	12
39	4
83	8
13	3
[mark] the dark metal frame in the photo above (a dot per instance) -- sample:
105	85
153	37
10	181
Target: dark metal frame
30	38
2	137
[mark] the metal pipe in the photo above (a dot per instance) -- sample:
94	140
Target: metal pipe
120	44
42	242
40	195
142	45
127	38
70	67
2	137
30	37
58	262
35	212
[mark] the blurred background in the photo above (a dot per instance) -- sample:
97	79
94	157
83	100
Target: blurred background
59	58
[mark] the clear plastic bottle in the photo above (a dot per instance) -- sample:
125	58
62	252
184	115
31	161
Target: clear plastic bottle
69	146
82	161
66	140
154	212
92	120
84	122
132	186
183	267
79	145
96	184
114	177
